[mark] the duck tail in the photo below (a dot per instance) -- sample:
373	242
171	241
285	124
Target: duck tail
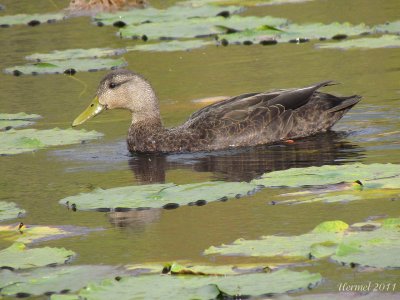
345	104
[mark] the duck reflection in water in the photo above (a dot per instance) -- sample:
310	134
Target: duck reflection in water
245	164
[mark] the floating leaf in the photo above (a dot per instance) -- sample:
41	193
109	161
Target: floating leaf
197	3
172	46
18	256
331	174
389	27
31	20
61	66
198	27
386	41
26	140
8	121
296	33
194	269
75	53
9	210
45	281
158	195
295	247
39	233
138	16
200	287
376	247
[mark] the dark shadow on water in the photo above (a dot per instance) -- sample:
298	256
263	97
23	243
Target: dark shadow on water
244	164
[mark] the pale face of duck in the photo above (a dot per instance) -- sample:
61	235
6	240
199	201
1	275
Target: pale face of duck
126	90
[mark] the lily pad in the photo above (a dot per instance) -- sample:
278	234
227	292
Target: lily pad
376	247
27	140
198	27
200	287
332	174
294	247
46	281
75	53
389	27
158	195
195	269
9	210
297	33
65	66
138	16
345	196
172	46
386	41
197	3
31	20
18	256
38	233
8	121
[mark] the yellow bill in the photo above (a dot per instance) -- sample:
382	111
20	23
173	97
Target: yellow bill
92	110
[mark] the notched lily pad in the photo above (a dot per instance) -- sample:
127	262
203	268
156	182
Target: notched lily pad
385	41
18	256
166	196
27	140
201	287
38	233
65	66
31	20
10	210
46	281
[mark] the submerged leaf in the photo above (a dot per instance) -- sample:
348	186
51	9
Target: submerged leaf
9	210
200	287
386	41
39	233
43	281
18	256
26	140
158	195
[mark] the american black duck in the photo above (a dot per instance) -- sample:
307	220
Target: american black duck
245	120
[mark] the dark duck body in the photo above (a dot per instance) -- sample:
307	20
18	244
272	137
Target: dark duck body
246	120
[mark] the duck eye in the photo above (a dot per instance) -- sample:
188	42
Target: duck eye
112	85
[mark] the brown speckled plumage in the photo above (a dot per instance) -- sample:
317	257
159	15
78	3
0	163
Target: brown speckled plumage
245	120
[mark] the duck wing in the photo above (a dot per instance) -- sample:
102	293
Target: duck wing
257	118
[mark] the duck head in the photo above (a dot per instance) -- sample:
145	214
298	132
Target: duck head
123	89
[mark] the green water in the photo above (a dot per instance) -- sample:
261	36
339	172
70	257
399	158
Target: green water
37	181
